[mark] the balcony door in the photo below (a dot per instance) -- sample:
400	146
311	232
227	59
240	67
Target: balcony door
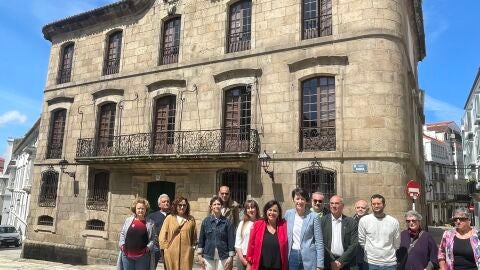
164	125
237	112
106	128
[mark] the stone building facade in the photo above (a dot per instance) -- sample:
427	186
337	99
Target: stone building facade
179	97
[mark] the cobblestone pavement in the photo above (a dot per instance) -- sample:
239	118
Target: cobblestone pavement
10	259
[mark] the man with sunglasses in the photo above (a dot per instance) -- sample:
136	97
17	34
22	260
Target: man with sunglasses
379	235
230	208
317	204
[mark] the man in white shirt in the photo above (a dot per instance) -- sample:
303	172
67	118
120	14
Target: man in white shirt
379	235
339	237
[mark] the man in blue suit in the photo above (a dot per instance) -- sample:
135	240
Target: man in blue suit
305	243
340	237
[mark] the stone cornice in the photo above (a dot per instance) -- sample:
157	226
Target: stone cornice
87	19
237	73
166	83
56	100
418	13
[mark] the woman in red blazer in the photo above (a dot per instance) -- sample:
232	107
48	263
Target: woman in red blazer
268	238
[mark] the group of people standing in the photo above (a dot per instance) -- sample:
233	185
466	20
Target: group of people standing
304	239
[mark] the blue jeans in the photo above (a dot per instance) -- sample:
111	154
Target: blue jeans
295	260
142	263
381	267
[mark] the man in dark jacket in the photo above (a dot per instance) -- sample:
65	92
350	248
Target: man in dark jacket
230	208
340	237
361	210
158	217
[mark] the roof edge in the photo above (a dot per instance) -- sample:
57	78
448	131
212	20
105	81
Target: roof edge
472	89
86	19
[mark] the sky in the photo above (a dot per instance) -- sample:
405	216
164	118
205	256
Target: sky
446	74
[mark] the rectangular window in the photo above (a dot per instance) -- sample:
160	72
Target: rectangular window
317	131
106	128
240	26
164	126
111	64
65	66
237	120
57	130
98	188
171	41
317	18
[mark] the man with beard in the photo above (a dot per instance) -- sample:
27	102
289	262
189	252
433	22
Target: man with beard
379	235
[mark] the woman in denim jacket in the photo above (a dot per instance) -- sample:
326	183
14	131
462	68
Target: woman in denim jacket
216	241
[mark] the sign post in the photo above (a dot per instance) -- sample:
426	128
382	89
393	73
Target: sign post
413	191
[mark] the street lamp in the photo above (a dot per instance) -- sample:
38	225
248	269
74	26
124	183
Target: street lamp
265	159
63	166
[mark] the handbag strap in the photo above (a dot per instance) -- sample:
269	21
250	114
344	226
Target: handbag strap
414	242
177	231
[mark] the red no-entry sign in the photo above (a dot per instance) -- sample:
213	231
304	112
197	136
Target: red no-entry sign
413	189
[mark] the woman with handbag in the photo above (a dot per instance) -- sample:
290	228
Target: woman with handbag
178	236
417	247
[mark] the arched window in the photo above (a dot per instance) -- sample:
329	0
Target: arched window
45	221
164	125
236	180
240	21
317	127
95	224
317	18
317	179
57	132
106	129
48	189
98	187
111	63
65	65
171	41
237	118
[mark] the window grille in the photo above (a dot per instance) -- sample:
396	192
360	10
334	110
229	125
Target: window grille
111	63
48	189
317	18
171	41
95	224
239	35
57	129
98	188
65	66
236	180
322	180
317	130
45	221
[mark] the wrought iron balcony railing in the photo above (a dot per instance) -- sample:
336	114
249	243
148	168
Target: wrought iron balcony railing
317	139
98	200
171	142
317	26
170	55
111	66
239	41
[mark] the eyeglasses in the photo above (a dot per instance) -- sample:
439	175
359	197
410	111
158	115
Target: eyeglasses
181	205
462	219
224	193
411	220
317	201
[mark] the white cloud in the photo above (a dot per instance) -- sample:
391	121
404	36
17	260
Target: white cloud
442	110
12	116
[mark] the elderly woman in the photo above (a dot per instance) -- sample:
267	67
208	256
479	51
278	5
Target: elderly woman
417	247
459	248
137	239
178	236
